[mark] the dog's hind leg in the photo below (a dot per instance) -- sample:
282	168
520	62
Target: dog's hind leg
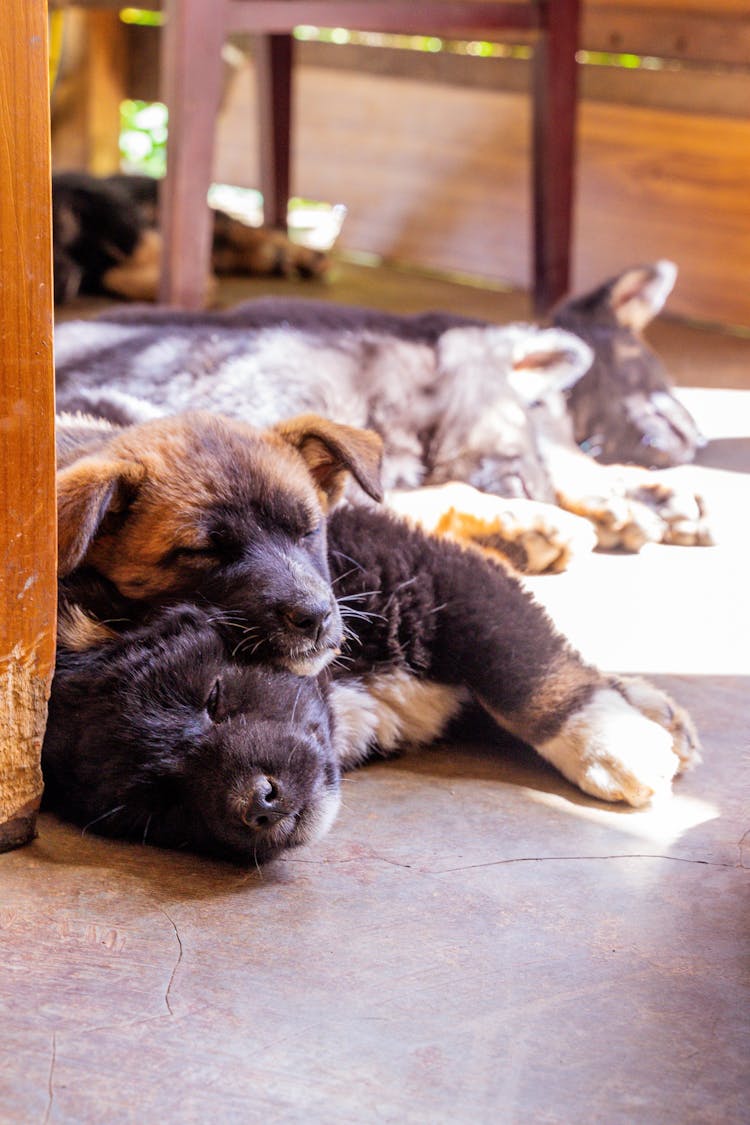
136	278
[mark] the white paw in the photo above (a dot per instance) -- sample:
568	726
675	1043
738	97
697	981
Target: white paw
621	523
656	705
620	748
536	538
682	512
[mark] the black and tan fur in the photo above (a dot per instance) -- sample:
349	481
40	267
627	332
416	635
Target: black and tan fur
105	240
165	733
203	506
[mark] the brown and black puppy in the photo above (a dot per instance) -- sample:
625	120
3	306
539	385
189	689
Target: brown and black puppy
105	240
167	735
202	506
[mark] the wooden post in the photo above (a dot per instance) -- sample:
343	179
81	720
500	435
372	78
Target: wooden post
105	90
27	462
555	106
273	67
191	73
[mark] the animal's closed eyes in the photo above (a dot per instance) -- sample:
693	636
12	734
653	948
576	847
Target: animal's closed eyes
160	736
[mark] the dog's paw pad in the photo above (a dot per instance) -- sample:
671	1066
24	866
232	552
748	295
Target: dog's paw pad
536	538
682	512
620	522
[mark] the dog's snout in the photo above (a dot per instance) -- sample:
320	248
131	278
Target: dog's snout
265	803
309	621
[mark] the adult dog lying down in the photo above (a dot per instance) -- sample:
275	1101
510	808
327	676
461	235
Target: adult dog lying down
453	400
159	728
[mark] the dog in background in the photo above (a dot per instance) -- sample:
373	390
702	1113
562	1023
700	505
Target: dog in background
105	240
454	400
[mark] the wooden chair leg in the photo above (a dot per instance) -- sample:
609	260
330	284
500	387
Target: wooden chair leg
555	104
27	447
191	72
273	62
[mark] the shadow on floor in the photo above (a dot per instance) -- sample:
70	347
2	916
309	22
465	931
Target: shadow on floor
731	453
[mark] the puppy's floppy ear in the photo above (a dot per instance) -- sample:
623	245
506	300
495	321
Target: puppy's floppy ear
88	491
331	450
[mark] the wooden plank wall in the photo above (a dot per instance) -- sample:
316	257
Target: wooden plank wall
430	151
437	173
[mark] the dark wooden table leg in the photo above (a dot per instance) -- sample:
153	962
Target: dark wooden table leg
554	151
191	73
273	62
27	449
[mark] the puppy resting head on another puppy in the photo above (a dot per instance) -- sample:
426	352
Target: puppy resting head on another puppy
199	505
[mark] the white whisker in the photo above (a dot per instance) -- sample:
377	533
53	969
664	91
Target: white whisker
102	817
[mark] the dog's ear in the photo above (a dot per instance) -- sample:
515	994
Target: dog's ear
87	492
546	359
639	294
332	450
632	299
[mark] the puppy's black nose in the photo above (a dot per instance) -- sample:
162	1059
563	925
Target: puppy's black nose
308	621
265	803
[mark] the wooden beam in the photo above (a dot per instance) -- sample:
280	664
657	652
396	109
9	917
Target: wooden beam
687	90
273	67
106	89
191	45
706	32
380	15
27	465
555	107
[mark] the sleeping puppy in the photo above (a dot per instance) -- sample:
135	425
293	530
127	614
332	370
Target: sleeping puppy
159	736
165	734
622	409
105	240
202	506
454	400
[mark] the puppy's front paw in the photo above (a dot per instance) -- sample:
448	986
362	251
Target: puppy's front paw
682	512
536	538
625	744
621	523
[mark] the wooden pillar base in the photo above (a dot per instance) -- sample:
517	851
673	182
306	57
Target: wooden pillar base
27	448
23	710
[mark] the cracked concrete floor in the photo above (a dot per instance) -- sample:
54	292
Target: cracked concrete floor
474	941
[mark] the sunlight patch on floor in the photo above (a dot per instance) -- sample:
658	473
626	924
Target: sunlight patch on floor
659	825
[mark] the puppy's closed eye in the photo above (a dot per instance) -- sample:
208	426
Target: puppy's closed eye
213	705
189	554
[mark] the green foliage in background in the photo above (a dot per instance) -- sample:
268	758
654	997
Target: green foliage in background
143	137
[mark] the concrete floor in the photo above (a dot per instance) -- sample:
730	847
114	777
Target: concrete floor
475	941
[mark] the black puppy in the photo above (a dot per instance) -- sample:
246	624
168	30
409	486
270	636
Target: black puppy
160	736
105	240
